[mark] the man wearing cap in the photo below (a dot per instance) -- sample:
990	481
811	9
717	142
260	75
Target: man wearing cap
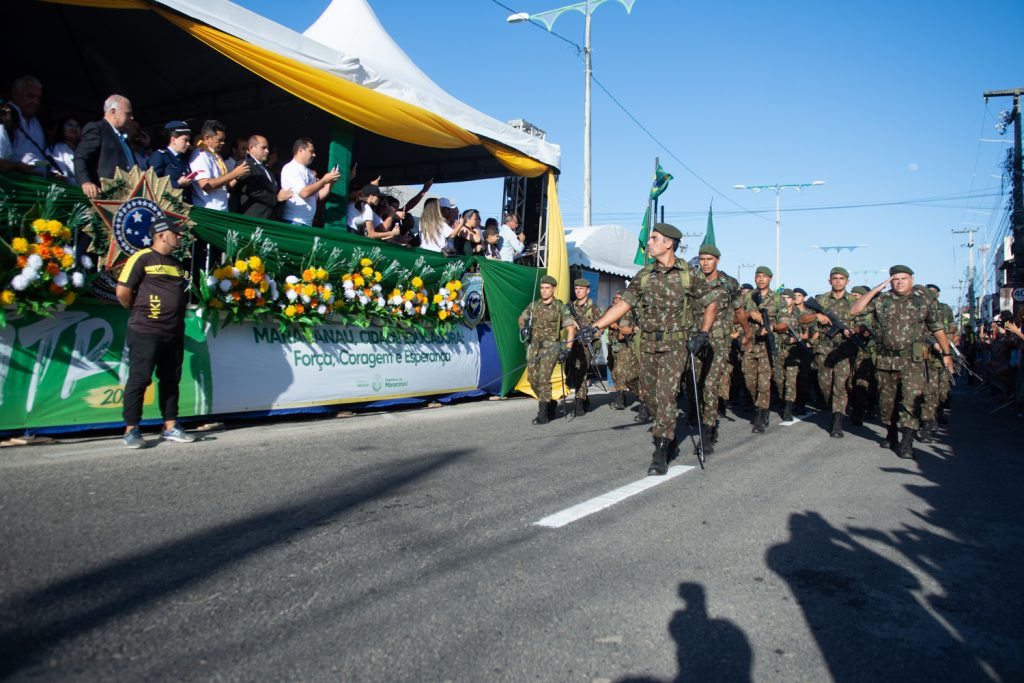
863	385
258	194
625	370
713	369
833	354
172	160
953	334
901	319
787	365
666	297
937	380
584	313
541	324
757	366
152	285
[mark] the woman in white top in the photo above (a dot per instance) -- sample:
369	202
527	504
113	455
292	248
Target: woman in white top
363	220
434	231
69	134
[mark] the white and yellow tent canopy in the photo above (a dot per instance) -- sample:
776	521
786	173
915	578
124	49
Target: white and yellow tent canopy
199	59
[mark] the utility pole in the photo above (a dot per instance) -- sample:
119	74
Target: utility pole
971	306
682	242
983	254
1017	178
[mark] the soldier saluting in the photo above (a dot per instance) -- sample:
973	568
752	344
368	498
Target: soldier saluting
666	297
541	325
902	317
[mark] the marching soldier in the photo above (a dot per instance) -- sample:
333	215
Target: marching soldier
666	297
714	370
864	387
937	381
625	372
787	365
832	354
541	325
757	344
805	374
901	319
584	312
953	334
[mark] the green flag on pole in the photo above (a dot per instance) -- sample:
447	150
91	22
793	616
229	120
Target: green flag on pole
658	187
709	236
642	247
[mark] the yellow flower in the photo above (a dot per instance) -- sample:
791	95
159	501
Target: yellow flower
264	286
456	285
65	234
66	261
437	298
19	245
416	282
346	277
409	294
69	298
321	274
241	265
290	311
365	262
39	225
53	227
255	262
367	271
7	297
309	290
441	315
376	275
358	281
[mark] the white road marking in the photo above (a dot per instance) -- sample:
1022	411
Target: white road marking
589	507
790	423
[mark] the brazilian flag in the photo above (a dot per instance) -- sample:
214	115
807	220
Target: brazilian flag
658	187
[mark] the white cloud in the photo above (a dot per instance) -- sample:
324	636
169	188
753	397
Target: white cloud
912	167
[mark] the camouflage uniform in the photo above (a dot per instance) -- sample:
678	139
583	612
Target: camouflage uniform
805	369
938	380
864	385
713	363
545	340
832	356
665	301
787	365
900	324
625	370
757	372
584	314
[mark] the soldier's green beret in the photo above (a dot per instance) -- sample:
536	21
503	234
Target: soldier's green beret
799	290
764	270
746	285
900	269
935	287
710	249
548	280
920	288
860	289
581	282
670	231
839	270
788	292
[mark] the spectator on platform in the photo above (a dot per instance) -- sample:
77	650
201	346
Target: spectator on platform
238	152
69	134
172	160
363	220
139	142
302	181
103	148
434	230
258	194
467	239
7	162
492	243
28	141
511	238
213	180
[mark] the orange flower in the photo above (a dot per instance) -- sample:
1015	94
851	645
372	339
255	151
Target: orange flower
255	276
58	252
22	261
368	292
44	252
56	290
300	309
250	293
52	268
455	309
69	298
46	238
308	274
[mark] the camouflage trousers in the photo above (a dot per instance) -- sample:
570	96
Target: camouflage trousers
864	385
581	390
625	370
711	372
936	390
901	394
834	377
541	358
660	374
757	373
787	370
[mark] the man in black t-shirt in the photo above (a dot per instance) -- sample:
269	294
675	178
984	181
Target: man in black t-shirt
153	287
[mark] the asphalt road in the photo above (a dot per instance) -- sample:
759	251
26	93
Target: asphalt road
402	546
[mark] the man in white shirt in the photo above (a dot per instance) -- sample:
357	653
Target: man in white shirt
297	177
511	239
28	142
213	179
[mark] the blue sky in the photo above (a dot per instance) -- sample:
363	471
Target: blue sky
882	100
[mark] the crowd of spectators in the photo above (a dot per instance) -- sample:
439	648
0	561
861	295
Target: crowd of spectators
996	351
246	181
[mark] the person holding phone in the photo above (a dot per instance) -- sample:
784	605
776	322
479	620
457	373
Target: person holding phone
172	160
306	188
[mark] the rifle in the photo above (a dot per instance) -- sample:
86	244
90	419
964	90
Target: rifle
696	403
590	347
959	362
526	334
766	323
796	338
837	326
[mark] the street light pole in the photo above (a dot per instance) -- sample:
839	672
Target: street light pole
778	187
838	248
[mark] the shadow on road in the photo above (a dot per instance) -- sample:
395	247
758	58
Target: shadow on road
931	601
36	622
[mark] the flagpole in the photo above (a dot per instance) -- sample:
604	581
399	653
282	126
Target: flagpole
650	214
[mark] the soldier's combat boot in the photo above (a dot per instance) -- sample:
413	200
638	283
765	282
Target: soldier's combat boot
940	416
542	415
707	440
800	408
552	410
760	421
659	461
926	433
721	407
787	411
642	414
890	438
857	416
907	445
714	433
618	402
837	426
580	408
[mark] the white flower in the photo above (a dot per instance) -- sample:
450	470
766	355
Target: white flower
35	262
349	294
86	261
30	273
364	299
235	272
291	279
444	292
20	282
408	306
321	309
423	309
376	289
77	279
305	299
61	279
211	281
328	287
380	301
347	285
225	285
291	295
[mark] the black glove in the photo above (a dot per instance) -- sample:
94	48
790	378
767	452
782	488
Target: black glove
563	352
588	334
697	342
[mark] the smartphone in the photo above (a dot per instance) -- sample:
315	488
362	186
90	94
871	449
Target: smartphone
192	175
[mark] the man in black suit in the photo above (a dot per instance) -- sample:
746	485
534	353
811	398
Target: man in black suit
258	194
103	148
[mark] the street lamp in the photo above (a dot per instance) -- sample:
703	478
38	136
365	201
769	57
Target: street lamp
739	270
548	19
778	187
838	248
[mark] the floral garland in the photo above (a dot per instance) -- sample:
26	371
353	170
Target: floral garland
242	289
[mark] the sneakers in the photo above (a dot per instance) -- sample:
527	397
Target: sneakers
178	434
133	439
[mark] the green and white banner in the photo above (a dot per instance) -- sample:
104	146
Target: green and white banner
70	370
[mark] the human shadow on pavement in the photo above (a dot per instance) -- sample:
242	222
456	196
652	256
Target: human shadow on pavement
36	622
922	601
707	649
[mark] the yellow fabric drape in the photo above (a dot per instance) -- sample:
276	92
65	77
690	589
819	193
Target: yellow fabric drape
104	4
558	268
